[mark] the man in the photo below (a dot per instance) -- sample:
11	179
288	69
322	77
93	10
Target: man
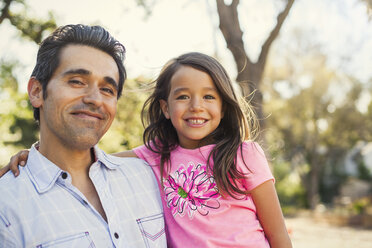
70	193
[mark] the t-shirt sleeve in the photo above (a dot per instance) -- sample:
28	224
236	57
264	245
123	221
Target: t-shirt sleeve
256	167
144	153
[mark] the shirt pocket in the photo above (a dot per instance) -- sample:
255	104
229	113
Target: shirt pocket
77	240
152	230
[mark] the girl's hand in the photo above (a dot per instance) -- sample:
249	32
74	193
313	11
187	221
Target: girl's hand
19	159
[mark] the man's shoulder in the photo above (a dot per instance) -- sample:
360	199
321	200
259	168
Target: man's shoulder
8	179
135	167
12	187
126	162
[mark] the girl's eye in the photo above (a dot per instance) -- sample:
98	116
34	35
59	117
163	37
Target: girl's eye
182	97
209	97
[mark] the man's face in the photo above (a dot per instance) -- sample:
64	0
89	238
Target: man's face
81	98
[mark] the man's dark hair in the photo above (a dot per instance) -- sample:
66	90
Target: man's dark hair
48	56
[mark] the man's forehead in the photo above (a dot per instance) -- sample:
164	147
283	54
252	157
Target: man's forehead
75	57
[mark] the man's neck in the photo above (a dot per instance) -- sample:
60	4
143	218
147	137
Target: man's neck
68	159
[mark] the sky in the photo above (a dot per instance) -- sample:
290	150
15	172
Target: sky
340	27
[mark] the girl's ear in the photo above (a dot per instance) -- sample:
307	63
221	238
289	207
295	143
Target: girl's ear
164	108
35	92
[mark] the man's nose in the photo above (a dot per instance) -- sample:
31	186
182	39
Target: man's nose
93	96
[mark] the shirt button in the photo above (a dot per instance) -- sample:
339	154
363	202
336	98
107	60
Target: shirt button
64	175
116	235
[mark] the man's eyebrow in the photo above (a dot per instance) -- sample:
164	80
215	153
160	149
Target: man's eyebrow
111	81
77	71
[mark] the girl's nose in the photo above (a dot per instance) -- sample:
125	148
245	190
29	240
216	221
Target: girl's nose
93	96
196	105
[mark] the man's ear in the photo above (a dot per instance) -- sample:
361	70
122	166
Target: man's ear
164	108
35	92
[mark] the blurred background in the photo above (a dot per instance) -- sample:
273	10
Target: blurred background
306	66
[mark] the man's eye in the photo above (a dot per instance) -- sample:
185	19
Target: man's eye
108	90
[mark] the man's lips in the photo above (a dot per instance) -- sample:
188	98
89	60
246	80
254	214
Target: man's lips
86	113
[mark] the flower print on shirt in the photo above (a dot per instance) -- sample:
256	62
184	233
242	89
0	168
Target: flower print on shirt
190	189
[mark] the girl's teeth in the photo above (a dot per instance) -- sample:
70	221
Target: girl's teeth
196	121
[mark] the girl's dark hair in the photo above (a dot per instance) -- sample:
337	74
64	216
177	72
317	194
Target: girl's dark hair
48	56
161	137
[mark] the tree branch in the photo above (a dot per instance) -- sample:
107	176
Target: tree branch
230	28
5	10
274	33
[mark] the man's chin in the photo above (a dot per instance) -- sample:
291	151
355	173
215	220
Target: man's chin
84	143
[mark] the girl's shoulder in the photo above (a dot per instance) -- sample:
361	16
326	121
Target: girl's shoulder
251	148
253	156
143	152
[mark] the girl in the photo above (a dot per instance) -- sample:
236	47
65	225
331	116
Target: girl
217	188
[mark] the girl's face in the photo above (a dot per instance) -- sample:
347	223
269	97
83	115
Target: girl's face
194	106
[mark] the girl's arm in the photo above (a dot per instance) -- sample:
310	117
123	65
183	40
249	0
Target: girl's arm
125	154
21	158
270	215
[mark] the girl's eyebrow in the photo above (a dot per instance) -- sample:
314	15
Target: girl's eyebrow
184	89
179	90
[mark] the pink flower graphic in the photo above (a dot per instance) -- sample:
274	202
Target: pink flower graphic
190	189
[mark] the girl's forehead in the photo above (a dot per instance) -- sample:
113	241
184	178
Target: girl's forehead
189	76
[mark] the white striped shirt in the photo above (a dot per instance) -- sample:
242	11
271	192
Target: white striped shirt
41	208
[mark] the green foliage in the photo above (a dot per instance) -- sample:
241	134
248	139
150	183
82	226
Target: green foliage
7	80
30	27
126	131
18	130
359	206
364	172
316	122
288	186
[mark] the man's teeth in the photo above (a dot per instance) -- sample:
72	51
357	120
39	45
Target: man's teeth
196	121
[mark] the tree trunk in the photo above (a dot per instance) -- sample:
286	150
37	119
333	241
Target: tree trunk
249	73
313	185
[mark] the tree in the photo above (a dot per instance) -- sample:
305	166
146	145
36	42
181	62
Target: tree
17	127
126	130
249	73
314	120
30	28
368	4
19	130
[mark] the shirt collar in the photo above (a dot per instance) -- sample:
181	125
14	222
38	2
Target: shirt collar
111	162
44	173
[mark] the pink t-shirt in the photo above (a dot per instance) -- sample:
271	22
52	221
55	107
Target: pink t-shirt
196	215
